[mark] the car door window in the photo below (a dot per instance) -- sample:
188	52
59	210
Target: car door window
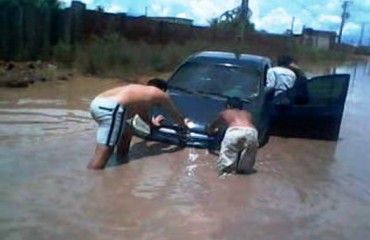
327	90
320	117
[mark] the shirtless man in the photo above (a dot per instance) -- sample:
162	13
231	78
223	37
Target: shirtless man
111	109
239	145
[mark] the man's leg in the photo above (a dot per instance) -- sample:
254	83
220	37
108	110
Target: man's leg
248	158
228	155
123	146
101	157
109	115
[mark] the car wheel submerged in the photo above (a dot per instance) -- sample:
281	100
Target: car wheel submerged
264	138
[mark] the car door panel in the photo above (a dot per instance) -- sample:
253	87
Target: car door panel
320	117
264	120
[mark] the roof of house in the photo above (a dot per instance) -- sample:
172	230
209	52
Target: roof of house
310	31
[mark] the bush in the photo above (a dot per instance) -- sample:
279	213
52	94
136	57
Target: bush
63	54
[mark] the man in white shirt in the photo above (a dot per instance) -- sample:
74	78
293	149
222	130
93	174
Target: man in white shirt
280	77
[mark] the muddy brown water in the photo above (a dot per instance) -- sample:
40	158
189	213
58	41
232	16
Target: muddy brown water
304	189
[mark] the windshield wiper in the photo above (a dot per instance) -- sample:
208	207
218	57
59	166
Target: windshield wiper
247	99
212	93
202	92
244	99
181	89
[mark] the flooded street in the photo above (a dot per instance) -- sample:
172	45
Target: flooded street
304	189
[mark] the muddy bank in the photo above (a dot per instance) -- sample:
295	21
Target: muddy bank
23	74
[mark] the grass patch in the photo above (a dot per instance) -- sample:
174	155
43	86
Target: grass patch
311	55
114	56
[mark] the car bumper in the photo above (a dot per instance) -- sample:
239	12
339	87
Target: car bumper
171	136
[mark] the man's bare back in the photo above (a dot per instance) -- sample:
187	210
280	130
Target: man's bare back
134	94
236	118
139	98
239	144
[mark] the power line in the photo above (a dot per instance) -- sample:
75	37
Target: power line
303	6
360	9
312	14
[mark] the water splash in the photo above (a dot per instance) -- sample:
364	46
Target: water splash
192	157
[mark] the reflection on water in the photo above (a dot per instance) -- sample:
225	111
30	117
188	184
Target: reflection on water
42	122
55	102
303	189
47	109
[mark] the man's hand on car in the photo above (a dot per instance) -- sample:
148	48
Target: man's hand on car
158	120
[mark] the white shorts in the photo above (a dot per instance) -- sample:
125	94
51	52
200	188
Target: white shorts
110	117
238	149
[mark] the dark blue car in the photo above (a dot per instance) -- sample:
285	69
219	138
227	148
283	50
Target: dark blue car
201	85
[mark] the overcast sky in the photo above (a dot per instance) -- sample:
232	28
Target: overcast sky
274	16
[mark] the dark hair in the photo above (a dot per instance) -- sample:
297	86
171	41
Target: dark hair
159	83
234	102
285	60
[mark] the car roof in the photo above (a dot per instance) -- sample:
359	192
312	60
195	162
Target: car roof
229	58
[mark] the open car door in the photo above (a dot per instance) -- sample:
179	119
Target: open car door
319	116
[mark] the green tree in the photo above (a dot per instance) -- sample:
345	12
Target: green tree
100	9
50	4
232	20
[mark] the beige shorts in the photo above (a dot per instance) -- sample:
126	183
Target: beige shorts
110	117
238	149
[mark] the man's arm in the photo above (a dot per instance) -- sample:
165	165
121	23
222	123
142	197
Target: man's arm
270	78
151	121
143	114
169	107
213	128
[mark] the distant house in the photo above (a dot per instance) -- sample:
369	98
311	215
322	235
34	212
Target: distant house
317	38
184	21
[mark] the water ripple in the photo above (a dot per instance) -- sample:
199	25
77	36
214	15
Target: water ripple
49	121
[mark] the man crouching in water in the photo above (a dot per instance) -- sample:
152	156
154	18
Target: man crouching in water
111	109
240	143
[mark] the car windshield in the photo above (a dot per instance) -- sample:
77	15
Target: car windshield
223	80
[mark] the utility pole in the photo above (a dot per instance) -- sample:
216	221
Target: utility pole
243	18
292	26
345	16
362	33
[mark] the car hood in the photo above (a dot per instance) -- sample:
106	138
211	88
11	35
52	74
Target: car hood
201	110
